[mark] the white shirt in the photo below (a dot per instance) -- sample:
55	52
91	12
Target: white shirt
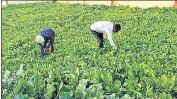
104	27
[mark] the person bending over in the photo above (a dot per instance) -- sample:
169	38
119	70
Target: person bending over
45	40
103	29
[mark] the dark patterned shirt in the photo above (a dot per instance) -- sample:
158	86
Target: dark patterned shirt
48	34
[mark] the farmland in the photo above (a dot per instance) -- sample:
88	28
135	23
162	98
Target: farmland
143	66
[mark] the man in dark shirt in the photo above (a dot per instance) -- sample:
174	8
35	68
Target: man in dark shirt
46	36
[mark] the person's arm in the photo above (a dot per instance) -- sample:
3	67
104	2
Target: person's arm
109	35
42	50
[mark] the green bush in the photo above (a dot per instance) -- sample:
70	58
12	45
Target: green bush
143	66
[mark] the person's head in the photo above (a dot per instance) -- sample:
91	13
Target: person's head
39	39
116	28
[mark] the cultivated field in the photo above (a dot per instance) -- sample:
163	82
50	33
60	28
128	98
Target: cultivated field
143	66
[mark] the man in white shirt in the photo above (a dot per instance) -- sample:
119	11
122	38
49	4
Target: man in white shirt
101	29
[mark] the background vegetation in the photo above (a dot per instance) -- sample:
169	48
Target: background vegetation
143	66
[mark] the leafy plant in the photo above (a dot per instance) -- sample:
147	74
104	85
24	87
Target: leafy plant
143	66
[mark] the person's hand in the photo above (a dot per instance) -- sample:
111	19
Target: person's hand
46	50
114	47
104	39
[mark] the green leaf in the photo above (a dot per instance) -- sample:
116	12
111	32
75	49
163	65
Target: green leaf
126	96
19	96
30	89
67	95
165	96
9	96
50	90
80	89
18	87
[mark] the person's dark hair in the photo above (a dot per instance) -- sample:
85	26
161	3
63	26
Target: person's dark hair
116	28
